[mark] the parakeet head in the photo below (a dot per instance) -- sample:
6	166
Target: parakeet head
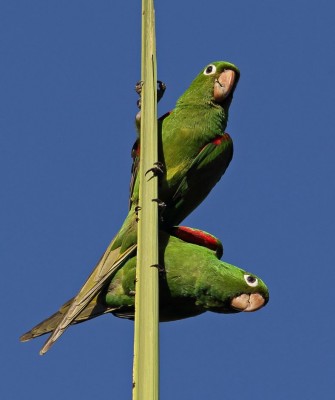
255	295
215	84
240	290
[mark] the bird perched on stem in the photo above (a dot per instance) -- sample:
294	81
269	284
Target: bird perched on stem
195	152
193	281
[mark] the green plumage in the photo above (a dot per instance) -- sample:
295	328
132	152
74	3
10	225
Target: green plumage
194	281
195	151
194	147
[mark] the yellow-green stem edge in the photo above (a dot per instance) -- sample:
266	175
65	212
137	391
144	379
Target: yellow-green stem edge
146	334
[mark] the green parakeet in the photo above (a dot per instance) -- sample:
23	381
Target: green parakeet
194	148
194	280
195	151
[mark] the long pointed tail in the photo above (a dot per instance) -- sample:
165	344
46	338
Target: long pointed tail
109	263
47	325
92	310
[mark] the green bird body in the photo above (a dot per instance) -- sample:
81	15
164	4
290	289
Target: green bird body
194	147
195	151
194	281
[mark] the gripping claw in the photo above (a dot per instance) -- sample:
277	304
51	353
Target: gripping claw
161	208
158	169
137	209
160	268
138	90
161	203
160	91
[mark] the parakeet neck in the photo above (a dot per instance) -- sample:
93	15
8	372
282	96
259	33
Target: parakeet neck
207	115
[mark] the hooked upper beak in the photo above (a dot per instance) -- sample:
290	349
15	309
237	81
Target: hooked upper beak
224	85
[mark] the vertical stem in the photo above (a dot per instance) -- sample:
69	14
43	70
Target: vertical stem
146	341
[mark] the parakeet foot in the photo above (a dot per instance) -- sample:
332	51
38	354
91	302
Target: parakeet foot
161	208
158	169
137	209
161	204
160	92
160	268
138	88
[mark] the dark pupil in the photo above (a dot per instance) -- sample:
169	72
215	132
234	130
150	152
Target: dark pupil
251	279
209	69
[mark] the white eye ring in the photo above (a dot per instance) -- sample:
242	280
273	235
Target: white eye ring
210	69
251	280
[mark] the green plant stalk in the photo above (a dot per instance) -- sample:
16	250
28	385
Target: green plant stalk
146	338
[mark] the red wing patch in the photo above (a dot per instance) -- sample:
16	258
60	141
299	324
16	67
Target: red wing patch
222	138
195	236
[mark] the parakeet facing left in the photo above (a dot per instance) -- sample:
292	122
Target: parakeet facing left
195	151
194	281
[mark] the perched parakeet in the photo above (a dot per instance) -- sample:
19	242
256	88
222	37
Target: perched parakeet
195	152
195	149
193	281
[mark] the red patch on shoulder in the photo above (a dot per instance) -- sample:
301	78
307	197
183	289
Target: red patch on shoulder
195	236
221	138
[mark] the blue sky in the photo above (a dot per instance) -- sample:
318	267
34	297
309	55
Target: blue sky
67	74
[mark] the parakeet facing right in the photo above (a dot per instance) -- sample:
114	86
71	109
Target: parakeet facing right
194	281
195	149
195	152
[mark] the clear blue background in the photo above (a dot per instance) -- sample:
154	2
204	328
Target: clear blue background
68	70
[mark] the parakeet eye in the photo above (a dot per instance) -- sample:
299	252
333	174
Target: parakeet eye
210	70
251	280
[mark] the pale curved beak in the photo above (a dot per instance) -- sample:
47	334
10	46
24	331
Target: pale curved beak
224	85
248	302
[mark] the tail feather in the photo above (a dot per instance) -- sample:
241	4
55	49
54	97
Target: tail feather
47	325
92	310
110	262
